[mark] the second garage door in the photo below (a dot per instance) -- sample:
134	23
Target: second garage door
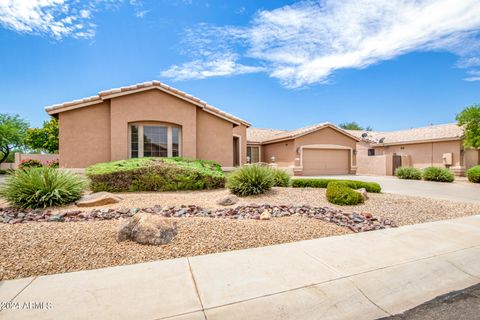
325	161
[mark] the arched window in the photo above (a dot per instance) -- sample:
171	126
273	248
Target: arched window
154	140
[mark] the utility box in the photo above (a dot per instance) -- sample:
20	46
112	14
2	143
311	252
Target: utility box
448	159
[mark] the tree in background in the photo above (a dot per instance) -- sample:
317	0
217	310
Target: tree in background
353	126
469	118
45	138
12	134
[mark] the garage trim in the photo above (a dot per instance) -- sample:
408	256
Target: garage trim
328	147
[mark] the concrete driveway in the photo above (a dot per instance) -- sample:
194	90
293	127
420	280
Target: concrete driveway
460	190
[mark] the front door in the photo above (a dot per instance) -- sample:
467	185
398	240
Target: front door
236	151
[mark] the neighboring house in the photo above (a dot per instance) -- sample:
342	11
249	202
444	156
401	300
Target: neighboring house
320	149
436	145
327	149
147	119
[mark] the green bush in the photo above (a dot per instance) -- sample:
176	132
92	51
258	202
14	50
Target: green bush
410	173
438	174
473	174
155	174
3	171
323	183
250	180
280	178
339	192
41	188
30	163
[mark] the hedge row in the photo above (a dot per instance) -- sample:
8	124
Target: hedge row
323	183
154	174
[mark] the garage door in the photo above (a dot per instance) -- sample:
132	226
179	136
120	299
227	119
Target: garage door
325	161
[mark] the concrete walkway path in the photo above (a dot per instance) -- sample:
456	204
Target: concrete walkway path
461	190
359	276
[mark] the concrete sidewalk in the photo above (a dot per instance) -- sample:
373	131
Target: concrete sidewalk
364	276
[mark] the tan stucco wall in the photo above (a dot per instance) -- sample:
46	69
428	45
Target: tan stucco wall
284	153
428	154
241	131
84	136
472	158
152	105
374	165
214	139
99	133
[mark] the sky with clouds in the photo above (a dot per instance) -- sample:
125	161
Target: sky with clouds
385	63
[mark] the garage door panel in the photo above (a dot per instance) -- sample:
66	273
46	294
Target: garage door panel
325	161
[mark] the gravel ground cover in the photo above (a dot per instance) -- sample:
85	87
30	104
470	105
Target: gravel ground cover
31	249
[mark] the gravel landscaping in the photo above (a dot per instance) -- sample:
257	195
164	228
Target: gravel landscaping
30	249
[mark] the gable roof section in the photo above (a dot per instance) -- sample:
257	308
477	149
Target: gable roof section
440	132
139	87
271	135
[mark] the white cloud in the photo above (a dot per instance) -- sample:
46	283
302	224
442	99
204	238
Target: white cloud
474	75
307	42
57	18
220	65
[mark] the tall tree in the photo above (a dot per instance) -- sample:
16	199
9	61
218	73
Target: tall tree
353	126
469	119
12	134
45	138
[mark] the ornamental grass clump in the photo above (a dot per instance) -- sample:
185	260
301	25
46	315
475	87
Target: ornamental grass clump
280	178
250	180
409	173
41	188
473	174
438	174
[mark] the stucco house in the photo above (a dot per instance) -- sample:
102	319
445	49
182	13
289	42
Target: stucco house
147	119
153	119
315	150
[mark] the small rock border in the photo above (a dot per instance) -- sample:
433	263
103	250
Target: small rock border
354	221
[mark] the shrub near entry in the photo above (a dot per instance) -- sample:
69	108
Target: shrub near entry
438	174
408	173
473	174
250	180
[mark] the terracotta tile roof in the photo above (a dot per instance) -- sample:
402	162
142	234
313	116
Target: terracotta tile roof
430	133
270	135
107	94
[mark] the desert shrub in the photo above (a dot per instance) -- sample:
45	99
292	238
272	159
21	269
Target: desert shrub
473	174
155	174
30	163
339	192
280	178
250	180
41	187
410	173
438	174
323	183
3	171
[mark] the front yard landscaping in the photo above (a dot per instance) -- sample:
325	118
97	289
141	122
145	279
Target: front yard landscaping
271	209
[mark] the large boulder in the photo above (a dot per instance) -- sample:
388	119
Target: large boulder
98	199
228	200
363	192
147	228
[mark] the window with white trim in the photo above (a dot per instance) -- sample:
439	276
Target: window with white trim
152	140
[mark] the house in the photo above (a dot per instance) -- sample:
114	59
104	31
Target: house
153	119
320	149
435	145
147	119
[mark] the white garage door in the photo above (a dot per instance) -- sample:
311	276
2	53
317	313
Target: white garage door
325	161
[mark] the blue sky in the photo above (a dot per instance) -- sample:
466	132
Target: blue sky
388	64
